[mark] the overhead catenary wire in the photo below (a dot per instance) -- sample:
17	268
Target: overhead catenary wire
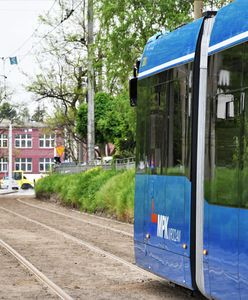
36	29
69	14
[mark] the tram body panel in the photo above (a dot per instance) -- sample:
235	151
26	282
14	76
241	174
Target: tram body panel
243	253
166	228
223	252
141	196
163	201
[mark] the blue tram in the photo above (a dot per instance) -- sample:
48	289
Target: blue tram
191	195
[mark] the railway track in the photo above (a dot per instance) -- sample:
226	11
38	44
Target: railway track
81	220
86	244
11	259
109	264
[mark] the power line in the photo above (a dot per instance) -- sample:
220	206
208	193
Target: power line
68	15
36	29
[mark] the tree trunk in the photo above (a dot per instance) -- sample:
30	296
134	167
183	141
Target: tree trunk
91	90
198	7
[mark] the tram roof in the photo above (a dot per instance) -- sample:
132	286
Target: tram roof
164	51
230	26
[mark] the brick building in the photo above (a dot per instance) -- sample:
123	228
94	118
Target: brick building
33	148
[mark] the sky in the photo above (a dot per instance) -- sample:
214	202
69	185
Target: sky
18	22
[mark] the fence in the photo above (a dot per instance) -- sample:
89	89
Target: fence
117	164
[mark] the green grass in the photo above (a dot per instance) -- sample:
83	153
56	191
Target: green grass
116	197
95	191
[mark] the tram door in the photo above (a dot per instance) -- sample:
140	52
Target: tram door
222	192
168	132
243	215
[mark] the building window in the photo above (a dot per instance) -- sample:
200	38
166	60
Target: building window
45	164
23	164
23	141
3	164
46	140
3	141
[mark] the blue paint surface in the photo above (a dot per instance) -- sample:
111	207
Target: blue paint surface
225	238
243	253
160	49
171	196
170	46
226	265
230	21
223	223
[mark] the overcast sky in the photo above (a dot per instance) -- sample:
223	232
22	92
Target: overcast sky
18	21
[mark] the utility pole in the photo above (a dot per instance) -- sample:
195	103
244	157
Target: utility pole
10	157
198	8
4	78
91	90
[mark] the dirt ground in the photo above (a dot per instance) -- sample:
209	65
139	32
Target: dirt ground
79	269
18	283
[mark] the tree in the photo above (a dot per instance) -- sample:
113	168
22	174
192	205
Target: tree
125	27
215	4
7	111
63	67
39	114
198	8
122	31
114	122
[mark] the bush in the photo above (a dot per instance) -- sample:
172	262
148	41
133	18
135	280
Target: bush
116	197
96	190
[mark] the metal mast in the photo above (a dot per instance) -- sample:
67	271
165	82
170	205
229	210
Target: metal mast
198	7
91	90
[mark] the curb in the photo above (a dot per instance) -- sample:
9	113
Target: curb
7	192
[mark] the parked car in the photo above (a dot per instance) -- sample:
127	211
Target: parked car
22	181
5	184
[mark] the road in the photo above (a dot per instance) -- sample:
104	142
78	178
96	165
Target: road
85	256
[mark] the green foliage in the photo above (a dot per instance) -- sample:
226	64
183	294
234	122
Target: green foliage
7	111
46	186
97	180
81	120
115	121
95	190
127	25
116	197
39	114
216	4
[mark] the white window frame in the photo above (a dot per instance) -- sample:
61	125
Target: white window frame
3	140
46	140
46	164
4	164
24	140
24	164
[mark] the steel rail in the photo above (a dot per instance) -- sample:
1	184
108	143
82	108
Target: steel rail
40	276
102	218
78	219
97	217
88	246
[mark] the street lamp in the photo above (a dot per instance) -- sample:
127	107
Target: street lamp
10	157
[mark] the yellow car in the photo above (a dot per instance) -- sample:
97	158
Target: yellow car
22	181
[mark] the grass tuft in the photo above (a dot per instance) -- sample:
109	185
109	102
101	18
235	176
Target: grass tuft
95	191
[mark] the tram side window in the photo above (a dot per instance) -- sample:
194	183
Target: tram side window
164	123
244	97
224	128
